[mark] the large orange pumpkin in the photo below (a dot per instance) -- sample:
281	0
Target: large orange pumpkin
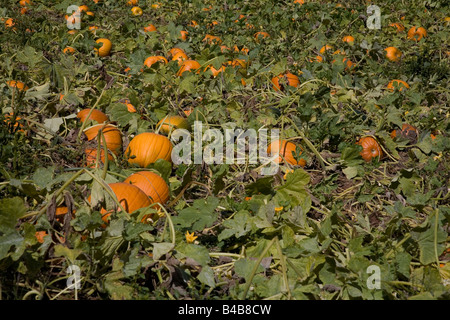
152	184
113	136
289	78
371	149
147	147
286	150
96	115
130	197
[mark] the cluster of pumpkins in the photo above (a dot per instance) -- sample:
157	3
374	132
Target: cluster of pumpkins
140	189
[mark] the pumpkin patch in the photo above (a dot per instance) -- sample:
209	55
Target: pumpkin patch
224	150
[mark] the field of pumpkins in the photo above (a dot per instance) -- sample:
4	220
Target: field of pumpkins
96	95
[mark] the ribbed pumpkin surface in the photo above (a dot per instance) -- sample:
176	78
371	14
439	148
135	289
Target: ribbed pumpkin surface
147	147
130	197
286	150
113	136
151	184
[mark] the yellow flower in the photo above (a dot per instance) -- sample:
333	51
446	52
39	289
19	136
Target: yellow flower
160	213
190	237
278	209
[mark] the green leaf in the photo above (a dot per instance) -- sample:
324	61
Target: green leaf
293	191
431	241
350	172
199	216
244	267
69	254
194	251
206	276
11	209
239	226
13	239
160	249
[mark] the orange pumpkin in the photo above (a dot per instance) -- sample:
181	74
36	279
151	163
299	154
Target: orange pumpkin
180	57
210	39
399	83
105	49
113	136
393	54
407	131
153	59
19	85
183	35
215	72
170	123
91	156
130	197
136	11
348	39
286	150
371	149
188	65
96	115
151	184
147	147
289	78
150	28
399	26
261	35
417	34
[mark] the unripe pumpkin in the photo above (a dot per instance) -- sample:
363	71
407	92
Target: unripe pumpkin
286	150
152	184
147	147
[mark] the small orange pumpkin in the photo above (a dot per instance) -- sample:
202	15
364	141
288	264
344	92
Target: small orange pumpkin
153	59
210	39
371	149
105	49
188	65
286	150
407	131
393	54
147	147
417	34
17	84
399	83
